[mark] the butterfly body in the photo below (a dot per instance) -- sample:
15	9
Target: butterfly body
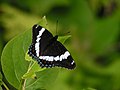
48	51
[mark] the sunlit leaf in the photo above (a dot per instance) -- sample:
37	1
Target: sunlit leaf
62	39
32	69
13	62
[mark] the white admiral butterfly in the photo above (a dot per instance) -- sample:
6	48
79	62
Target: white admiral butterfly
48	51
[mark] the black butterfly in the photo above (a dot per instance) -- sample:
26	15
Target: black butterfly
48	51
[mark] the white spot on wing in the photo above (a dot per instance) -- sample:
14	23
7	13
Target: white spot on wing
56	58
50	58
66	54
47	58
61	57
41	57
37	26
72	62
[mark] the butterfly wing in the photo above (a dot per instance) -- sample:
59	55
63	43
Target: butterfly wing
40	40
56	55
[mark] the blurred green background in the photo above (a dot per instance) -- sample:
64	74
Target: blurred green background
94	45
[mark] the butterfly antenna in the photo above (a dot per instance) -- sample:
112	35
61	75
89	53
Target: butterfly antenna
56	26
68	32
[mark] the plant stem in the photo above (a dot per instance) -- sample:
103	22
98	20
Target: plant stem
23	82
5	86
23	86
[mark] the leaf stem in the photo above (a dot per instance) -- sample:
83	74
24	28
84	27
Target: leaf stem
30	65
23	83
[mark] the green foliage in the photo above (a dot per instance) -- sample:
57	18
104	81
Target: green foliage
12	60
63	38
89	89
94	45
21	73
109	33
16	21
1	46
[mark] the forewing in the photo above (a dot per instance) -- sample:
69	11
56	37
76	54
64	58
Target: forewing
40	40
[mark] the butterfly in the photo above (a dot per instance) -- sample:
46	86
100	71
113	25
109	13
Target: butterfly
48	51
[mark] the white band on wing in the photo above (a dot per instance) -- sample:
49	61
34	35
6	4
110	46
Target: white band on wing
37	41
57	58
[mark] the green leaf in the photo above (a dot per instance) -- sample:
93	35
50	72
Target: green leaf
13	60
44	79
31	71
17	69
62	39
27	57
43	22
